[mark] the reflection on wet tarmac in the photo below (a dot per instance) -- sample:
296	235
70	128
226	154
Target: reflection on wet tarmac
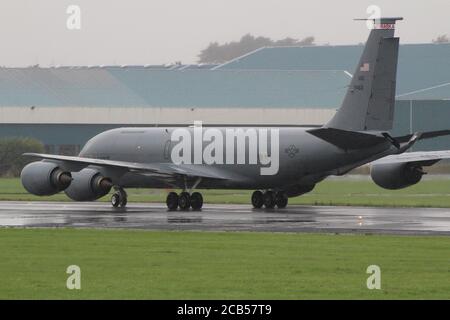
227	218
184	219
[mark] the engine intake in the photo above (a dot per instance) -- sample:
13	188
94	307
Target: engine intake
394	176
44	178
88	185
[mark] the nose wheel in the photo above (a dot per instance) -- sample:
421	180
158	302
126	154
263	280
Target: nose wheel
184	201
119	198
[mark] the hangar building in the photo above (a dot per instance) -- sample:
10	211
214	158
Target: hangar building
65	106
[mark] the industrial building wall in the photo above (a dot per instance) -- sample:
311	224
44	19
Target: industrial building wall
410	116
423	115
165	115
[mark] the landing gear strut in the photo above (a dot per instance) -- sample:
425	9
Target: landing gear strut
269	199
184	201
119	198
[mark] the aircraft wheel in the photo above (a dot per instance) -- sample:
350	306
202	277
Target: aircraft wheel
124	201
196	201
115	200
184	201
281	200
269	199
119	198
257	199
172	201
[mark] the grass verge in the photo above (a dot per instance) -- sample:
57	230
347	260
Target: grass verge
122	264
346	192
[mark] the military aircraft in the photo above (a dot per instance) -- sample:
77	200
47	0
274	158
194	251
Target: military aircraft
277	162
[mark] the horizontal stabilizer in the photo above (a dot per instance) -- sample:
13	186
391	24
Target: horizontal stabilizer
424	158
347	139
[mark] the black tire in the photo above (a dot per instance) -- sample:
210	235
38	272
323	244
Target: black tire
184	201
257	199
172	201
281	200
196	201
115	200
269	199
124	201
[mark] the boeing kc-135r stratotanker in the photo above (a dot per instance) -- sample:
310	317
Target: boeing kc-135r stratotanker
278	162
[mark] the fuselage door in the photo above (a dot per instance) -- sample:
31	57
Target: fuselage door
167	149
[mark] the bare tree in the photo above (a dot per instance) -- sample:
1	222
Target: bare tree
441	39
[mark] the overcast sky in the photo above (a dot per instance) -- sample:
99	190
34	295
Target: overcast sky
165	31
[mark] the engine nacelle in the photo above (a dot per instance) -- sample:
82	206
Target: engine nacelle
394	176
44	178
88	185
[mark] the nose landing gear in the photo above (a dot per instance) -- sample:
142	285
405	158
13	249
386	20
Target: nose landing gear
119	198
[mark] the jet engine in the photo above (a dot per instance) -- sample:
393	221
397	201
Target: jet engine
394	176
44	178
88	185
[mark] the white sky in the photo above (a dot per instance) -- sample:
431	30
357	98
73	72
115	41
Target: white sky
165	31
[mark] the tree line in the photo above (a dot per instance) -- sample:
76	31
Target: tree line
11	150
220	53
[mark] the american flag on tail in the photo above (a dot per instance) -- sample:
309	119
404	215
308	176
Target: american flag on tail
365	67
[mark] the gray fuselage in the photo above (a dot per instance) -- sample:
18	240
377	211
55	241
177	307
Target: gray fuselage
303	158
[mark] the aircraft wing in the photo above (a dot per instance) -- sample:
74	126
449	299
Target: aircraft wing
153	169
425	158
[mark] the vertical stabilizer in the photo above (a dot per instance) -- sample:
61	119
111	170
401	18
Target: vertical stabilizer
370	99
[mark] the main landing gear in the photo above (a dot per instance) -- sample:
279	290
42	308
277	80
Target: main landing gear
269	199
184	201
119	198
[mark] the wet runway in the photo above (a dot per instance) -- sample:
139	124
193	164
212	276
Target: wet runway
227	218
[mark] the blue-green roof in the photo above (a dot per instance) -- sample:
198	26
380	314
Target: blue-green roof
422	67
270	77
121	87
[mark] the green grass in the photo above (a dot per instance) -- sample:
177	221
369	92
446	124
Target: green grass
119	264
428	193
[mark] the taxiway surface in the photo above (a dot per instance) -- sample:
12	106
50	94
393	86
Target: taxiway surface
427	221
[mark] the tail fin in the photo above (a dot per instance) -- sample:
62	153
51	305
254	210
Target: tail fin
369	102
